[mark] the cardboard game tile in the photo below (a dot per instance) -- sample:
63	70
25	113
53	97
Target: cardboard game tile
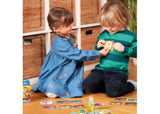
131	100
62	102
115	103
46	102
49	107
131	103
120	99
109	45
78	106
98	104
64	106
76	101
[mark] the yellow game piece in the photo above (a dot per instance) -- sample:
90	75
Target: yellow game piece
108	45
91	104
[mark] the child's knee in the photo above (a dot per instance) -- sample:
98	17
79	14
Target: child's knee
113	93
87	84
89	87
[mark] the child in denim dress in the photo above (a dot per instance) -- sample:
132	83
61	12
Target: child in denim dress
63	70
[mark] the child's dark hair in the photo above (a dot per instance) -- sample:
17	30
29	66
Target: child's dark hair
58	16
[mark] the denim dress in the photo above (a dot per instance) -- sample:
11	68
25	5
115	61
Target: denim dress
63	70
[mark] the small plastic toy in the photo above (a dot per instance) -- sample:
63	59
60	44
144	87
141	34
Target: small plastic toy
96	111
91	109
26	91
90	104
81	112
102	111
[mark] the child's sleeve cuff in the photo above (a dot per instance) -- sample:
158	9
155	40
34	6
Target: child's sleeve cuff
125	50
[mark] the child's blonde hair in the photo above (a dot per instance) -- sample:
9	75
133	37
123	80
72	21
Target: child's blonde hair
114	14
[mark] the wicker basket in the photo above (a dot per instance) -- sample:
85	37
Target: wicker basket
68	4
88	39
89	11
33	55
114	0
33	15
74	32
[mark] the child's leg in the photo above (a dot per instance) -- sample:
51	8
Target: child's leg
94	82
51	95
116	84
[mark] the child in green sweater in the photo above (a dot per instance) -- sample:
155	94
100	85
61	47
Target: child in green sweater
111	75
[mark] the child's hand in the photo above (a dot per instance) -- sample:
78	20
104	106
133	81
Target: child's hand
101	43
104	52
118	47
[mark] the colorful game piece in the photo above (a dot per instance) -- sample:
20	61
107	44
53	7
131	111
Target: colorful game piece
73	113
64	106
120	99
115	103
49	107
46	102
102	111
90	104
131	103
76	101
26	91
131	100
108	112
81	112
98	104
109	45
78	106
96	111
62	102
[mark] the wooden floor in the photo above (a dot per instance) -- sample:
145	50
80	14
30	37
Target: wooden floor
34	106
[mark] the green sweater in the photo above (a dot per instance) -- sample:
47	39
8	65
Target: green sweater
115	60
